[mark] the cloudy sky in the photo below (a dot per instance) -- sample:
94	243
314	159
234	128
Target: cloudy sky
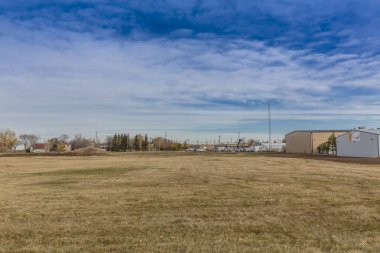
196	69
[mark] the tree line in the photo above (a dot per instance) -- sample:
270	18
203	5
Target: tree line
124	142
120	142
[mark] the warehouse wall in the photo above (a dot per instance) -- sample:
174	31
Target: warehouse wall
368	146
298	142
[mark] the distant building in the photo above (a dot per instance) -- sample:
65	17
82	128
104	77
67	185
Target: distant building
359	143
39	148
274	147
104	146
231	147
307	141
220	148
208	147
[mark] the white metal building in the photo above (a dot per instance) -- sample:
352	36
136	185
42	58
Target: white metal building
359	143
275	147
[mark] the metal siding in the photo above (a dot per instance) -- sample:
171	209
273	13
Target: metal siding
368	146
298	142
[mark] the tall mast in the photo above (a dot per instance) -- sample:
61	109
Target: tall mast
269	128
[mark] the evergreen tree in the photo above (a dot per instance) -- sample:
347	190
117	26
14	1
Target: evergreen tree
119	142
124	142
140	140
328	146
114	143
332	143
145	143
136	143
128	140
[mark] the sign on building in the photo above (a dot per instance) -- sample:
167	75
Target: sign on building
354	136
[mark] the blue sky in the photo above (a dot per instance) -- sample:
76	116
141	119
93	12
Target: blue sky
196	69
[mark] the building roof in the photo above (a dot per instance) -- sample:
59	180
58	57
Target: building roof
371	131
317	131
39	146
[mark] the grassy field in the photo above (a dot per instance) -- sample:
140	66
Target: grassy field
188	203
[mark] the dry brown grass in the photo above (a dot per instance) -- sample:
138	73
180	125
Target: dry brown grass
187	203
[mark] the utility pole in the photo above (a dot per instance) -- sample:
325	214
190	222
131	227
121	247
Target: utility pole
270	129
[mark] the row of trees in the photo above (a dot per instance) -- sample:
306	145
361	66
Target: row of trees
125	142
9	141
163	144
117	143
63	143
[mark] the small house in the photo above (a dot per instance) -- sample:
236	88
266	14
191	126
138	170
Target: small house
39	148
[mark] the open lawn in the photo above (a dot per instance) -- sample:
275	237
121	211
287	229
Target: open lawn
188	203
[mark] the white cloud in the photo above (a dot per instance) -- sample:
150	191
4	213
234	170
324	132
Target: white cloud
65	82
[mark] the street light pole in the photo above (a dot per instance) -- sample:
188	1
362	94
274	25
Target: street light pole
270	129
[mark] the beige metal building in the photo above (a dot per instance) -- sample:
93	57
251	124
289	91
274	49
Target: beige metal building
307	142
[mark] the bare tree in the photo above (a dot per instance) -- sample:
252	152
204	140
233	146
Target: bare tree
33	139
64	138
24	139
15	145
109	142
28	140
80	141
